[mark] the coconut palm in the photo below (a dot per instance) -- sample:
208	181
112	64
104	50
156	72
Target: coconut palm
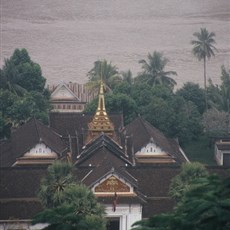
204	47
127	76
153	70
105	71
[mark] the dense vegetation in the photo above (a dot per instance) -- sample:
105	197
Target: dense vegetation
186	113
202	202
67	204
22	92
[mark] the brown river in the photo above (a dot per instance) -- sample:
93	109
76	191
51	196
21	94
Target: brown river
66	37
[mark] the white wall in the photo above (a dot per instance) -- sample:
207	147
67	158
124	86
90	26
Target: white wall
128	214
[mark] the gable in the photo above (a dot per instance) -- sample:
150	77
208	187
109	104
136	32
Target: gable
103	150
63	92
152	153
40	150
151	149
101	156
40	154
110	184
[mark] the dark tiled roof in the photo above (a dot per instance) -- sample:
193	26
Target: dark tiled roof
19	187
142	132
107	144
157	206
19	182
70	123
19	208
223	146
25	138
154	181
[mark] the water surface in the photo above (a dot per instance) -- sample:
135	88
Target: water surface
66	37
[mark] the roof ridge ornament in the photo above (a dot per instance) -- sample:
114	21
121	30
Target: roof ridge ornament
101	122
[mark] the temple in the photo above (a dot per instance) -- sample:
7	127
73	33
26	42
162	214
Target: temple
133	164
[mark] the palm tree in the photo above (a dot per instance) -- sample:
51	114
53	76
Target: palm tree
203	47
153	70
127	76
108	72
53	185
79	210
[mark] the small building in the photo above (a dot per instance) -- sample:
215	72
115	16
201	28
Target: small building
222	151
70	97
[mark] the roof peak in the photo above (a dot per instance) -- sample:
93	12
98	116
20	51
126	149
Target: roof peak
101	122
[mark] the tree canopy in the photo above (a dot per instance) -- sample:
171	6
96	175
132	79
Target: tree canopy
68	205
204	206
22	92
203	47
154	70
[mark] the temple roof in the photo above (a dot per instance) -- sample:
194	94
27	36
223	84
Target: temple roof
142	132
26	137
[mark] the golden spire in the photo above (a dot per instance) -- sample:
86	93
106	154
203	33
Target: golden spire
101	122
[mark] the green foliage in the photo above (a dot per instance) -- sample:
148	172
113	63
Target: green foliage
52	187
205	206
107	72
22	92
19	72
68	216
5	127
122	103
116	103
68	205
122	87
175	117
216	123
153	71
203	47
183	182
141	94
192	92
219	96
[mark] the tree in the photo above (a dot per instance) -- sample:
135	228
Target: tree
22	92
203	49
116	103
127	76
216	123
9	78
68	205
219	96
78	210
206	206
52	187
183	182
174	117
5	127
153	71
141	93
21	74
105	71
192	92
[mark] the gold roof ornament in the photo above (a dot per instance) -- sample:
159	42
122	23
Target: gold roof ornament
101	122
